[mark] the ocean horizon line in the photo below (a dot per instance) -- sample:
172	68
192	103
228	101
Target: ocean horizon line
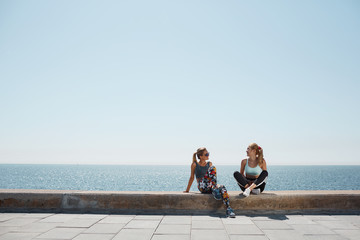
152	164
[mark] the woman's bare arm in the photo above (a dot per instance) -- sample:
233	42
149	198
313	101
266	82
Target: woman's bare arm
191	180
242	168
263	167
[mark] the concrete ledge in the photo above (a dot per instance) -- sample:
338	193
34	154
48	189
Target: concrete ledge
277	202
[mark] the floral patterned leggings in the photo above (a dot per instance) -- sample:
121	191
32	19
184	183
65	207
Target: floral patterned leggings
208	183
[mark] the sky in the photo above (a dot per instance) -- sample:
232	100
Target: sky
149	82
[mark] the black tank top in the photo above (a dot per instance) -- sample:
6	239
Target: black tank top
200	171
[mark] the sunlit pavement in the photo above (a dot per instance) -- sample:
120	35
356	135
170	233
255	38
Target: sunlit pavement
168	227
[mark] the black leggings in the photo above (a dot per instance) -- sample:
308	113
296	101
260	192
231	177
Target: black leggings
260	182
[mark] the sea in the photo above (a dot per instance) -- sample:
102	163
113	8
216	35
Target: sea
168	178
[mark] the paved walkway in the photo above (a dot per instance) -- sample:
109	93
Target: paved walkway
159	227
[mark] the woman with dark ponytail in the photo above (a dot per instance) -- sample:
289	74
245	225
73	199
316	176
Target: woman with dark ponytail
205	174
253	172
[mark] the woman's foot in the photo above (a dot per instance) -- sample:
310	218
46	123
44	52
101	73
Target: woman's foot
246	193
230	212
256	191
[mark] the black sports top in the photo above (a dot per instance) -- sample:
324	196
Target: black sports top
200	171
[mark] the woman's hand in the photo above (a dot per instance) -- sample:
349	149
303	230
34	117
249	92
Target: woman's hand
186	192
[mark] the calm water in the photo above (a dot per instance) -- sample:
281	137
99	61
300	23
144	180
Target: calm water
168	178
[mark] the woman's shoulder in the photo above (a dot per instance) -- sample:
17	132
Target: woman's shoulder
244	161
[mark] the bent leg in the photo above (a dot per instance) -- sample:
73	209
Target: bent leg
209	181
261	179
224	195
241	180
210	176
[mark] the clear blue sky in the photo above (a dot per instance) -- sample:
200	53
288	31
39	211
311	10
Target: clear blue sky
148	82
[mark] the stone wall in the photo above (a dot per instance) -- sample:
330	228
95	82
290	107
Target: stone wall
277	202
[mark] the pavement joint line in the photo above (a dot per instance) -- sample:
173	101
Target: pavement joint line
227	233
157	227
258	227
117	231
191	222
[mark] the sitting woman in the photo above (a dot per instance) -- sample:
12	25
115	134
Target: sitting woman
205	174
253	173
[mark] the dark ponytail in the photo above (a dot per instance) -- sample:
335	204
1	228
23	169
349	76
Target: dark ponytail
198	153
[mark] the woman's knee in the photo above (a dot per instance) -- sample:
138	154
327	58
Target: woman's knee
211	170
239	177
264	174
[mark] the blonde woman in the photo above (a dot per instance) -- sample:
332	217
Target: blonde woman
205	174
253	172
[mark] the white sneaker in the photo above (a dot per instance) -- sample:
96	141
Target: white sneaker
246	193
256	191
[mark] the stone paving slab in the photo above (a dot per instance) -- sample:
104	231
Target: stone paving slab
205	218
134	234
321	217
97	216
248	237
349	234
22	236
207	224
117	219
36	227
37	215
105	228
18	222
152	224
296	219
4	230
63	233
287	234
171	237
79	222
172	227
178	220
7	216
148	217
324	237
276	224
60	218
243	230
312	229
338	225
237	220
206	234
97	236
